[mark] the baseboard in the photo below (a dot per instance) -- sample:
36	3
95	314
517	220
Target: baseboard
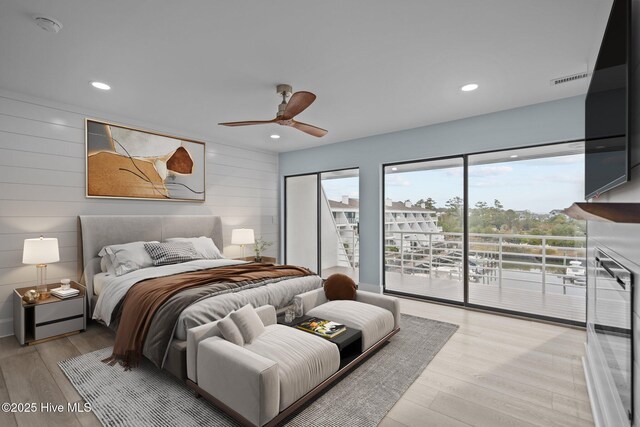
6	327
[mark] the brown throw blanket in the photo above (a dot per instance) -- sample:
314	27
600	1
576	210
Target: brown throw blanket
146	297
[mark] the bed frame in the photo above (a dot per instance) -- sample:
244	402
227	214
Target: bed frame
97	231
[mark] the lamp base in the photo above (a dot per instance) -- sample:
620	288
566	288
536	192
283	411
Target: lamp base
41	288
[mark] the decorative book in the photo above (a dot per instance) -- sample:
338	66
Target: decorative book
324	328
64	293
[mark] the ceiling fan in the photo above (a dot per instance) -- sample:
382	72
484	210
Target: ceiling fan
298	102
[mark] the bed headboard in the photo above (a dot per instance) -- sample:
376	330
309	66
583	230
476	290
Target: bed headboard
97	231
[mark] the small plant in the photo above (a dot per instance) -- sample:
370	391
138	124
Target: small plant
260	246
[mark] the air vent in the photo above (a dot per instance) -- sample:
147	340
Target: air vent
567	79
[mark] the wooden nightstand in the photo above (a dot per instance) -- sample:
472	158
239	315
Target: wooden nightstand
264	259
50	317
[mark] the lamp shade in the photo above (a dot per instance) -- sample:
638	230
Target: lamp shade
242	236
40	251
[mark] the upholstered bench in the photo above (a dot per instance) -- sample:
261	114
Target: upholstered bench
258	380
373	314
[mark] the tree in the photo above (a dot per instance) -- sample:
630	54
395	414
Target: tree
451	218
454	204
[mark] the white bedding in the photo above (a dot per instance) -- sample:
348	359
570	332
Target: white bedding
114	288
278	294
99	281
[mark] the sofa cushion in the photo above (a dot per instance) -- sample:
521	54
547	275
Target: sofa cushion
248	322
374	322
230	331
304	360
339	286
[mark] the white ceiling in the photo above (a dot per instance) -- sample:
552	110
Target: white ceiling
376	66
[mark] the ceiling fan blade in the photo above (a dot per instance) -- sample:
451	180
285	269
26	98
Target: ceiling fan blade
298	102
248	123
310	129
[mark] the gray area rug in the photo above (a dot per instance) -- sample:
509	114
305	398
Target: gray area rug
146	396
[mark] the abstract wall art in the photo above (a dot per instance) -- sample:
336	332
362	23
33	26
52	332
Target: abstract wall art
123	162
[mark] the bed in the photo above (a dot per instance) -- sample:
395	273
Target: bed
106	293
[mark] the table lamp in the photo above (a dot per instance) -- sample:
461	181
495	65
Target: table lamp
41	252
242	237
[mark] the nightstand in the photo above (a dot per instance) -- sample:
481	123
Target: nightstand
268	259
50	317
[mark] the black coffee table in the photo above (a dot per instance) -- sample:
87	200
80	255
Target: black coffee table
349	342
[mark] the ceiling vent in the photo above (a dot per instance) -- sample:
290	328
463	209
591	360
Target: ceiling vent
567	79
48	24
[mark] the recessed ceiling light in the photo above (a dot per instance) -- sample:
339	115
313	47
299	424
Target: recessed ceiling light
101	85
394	168
513	156
469	87
274	136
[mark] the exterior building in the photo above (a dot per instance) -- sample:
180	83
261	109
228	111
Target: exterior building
403	218
406	225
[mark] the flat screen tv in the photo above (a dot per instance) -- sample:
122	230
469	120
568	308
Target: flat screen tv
607	107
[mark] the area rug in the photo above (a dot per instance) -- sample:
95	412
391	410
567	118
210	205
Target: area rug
146	396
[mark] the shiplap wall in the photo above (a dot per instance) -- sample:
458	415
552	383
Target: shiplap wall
42	188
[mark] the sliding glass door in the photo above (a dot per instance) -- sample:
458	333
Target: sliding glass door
525	255
423	228
487	230
322	217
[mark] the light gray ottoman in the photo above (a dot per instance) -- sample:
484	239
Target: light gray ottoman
373	314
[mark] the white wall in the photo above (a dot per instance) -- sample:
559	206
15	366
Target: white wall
302	221
42	188
554	121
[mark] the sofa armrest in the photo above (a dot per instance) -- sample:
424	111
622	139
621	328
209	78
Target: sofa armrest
310	299
244	381
383	301
195	336
267	314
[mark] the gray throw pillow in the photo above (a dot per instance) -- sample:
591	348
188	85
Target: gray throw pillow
171	253
249	323
204	246
230	331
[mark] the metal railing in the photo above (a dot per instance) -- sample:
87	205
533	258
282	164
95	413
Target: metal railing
494	259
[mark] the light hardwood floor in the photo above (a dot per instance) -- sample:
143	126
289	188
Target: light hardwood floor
495	371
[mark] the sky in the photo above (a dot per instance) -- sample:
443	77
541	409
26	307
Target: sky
538	185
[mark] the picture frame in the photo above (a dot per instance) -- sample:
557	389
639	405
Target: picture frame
123	162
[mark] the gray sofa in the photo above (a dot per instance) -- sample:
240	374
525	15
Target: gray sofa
263	382
259	380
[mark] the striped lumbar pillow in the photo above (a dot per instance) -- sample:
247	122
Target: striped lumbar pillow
171	253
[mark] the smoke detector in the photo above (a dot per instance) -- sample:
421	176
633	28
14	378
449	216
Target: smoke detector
48	24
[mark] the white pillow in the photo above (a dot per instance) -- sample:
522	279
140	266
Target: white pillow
249	323
106	266
204	246
128	257
230	331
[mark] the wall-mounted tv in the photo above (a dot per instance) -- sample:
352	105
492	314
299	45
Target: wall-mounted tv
607	107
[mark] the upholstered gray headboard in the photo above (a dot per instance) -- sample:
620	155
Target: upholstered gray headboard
97	231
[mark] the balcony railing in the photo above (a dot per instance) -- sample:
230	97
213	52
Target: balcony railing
509	260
